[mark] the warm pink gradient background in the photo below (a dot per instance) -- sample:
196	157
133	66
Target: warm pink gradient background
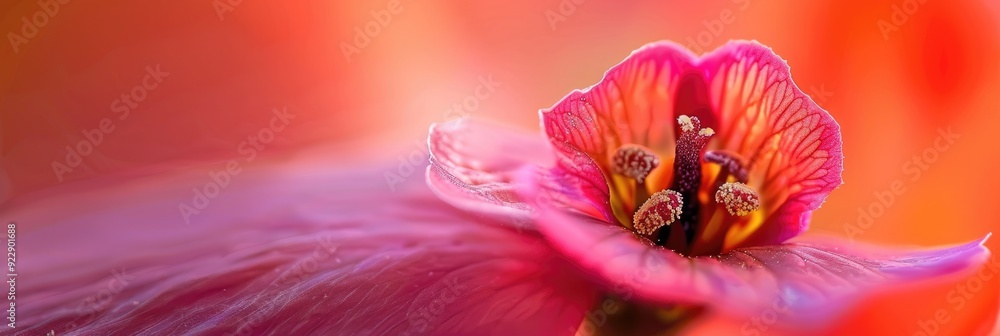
940	69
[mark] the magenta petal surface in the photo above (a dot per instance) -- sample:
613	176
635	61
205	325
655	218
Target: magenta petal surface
578	183
816	281
793	146
472	162
288	250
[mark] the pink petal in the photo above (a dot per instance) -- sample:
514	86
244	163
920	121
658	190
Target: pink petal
814	282
633	103
794	144
283	250
472	162
577	183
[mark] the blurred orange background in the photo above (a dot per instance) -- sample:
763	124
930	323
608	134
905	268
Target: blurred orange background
894	74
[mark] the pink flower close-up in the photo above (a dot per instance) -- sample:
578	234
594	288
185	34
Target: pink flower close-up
680	180
677	187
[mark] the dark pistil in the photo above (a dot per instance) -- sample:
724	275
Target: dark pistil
687	178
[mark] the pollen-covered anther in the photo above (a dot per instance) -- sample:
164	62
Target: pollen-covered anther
738	198
687	124
635	161
663	208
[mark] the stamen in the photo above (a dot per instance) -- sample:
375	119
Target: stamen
663	208
738	198
731	162
635	161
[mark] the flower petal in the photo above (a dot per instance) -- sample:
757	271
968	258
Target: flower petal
472	161
290	250
813	281
632	104
577	183
793	145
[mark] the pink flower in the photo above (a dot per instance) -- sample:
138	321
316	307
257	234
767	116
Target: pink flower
311	247
678	180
